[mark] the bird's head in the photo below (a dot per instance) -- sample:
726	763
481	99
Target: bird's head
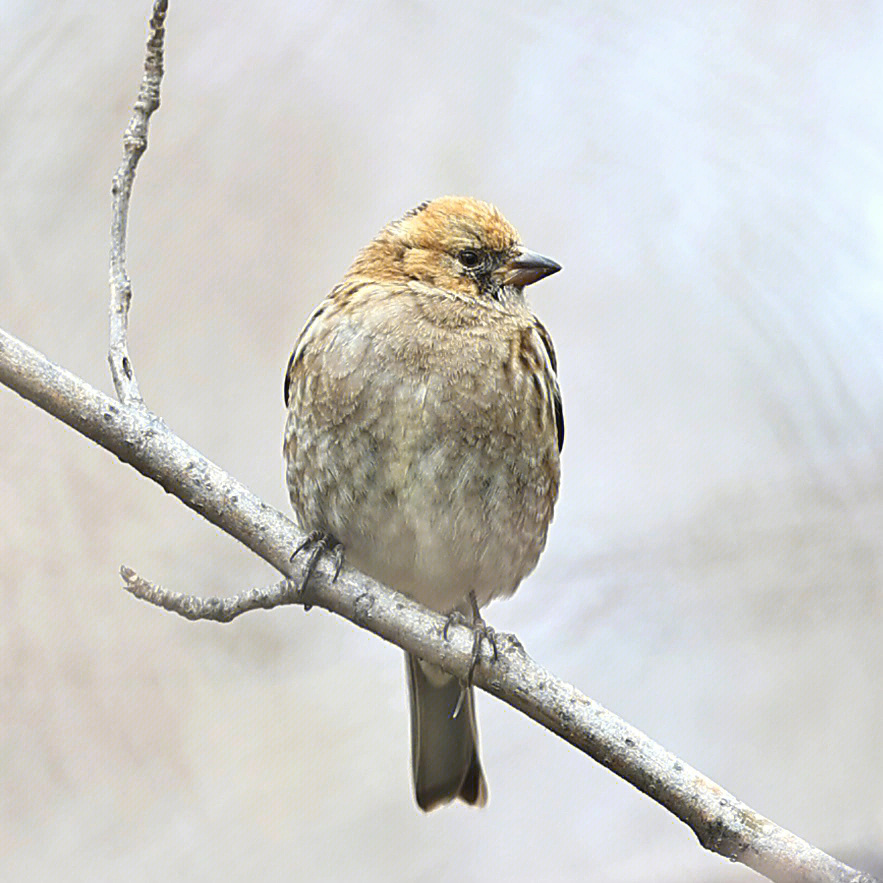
454	243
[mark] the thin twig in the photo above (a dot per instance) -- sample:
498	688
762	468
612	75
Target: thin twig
212	609
721	822
134	145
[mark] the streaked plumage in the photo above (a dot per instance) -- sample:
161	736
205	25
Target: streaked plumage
423	434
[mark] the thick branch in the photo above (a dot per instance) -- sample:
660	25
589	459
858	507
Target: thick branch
134	145
721	822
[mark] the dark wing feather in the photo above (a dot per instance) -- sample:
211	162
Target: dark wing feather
286	389
559	418
298	350
556	392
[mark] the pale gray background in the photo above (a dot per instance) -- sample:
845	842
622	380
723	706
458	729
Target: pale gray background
709	175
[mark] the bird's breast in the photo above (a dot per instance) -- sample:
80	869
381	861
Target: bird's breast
425	451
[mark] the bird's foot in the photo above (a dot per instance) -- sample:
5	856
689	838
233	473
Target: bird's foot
481	631
318	543
455	617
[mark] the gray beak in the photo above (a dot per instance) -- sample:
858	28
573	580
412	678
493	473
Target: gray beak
527	267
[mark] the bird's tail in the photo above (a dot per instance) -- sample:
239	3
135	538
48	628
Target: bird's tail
444	748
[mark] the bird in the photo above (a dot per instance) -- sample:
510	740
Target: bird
423	438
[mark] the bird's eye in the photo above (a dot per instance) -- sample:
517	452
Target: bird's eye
469	258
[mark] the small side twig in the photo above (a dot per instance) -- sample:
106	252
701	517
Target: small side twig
134	145
212	609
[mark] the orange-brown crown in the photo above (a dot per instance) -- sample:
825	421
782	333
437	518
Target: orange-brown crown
424	243
453	222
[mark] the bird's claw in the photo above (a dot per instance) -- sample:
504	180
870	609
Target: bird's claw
318	543
454	618
481	631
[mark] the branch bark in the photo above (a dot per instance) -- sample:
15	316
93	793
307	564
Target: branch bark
721	822
134	145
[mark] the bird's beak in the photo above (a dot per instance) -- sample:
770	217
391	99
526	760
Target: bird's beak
527	267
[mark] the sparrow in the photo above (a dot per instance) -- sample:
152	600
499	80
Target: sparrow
423	438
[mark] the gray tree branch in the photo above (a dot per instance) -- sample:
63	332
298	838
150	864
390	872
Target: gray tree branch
134	145
721	822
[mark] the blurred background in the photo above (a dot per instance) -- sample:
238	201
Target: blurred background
711	179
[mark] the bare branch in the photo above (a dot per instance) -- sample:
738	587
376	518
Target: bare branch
213	609
721	822
134	145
